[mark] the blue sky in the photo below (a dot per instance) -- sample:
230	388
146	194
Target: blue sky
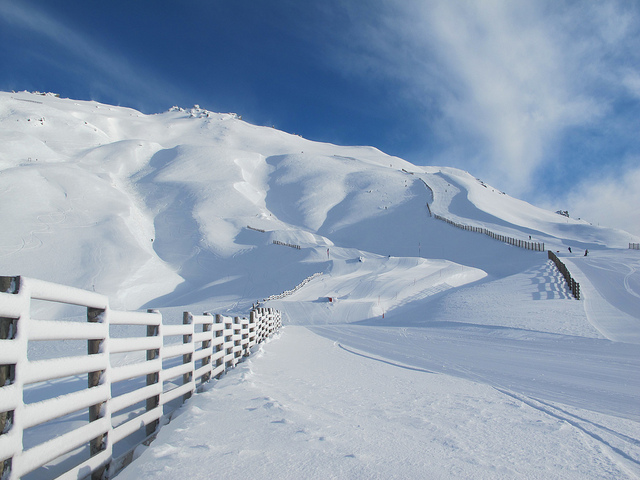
541	99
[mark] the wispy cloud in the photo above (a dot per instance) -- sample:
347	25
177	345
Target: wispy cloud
611	199
497	75
111	73
516	92
505	84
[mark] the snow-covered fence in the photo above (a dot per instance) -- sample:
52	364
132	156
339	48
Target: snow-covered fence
267	321
256	229
573	285
286	293
206	346
536	246
291	245
634	246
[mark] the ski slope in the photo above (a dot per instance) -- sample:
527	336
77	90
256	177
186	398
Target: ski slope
421	350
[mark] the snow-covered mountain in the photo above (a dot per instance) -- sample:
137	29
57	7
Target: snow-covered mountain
139	206
180	210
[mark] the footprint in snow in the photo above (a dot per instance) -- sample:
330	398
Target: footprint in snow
165	451
201	447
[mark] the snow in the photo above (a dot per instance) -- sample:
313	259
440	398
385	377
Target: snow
308	407
609	281
443	352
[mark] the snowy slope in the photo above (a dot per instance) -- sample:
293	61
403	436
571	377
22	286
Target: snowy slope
180	210
176	191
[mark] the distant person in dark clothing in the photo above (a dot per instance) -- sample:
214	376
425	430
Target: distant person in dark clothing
586	252
569	249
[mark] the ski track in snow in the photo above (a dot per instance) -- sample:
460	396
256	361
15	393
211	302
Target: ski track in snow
592	429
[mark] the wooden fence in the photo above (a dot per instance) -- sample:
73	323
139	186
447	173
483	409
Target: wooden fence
432	196
175	361
573	285
634	246
290	245
536	246
286	293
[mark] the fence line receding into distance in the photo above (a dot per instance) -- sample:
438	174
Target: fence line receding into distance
175	361
573	285
286	293
536	246
290	245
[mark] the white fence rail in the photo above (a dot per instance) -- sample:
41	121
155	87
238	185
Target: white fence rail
175	360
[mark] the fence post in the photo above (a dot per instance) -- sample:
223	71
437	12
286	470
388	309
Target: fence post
228	342
270	322
14	330
252	328
99	410
245	337
261	323
258	327
220	347
207	327
187	319
237	342
153	378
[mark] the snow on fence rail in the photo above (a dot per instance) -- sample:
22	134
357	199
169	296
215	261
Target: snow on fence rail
207	345
538	247
573	285
286	293
634	246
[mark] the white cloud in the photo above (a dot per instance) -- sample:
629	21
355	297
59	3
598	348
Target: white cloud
516	95
631	80
501	81
610	200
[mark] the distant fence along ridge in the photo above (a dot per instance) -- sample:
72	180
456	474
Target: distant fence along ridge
634	246
536	246
179	359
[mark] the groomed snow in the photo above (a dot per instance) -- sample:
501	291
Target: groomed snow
309	407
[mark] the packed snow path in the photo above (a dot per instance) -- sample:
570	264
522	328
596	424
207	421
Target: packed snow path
308	407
